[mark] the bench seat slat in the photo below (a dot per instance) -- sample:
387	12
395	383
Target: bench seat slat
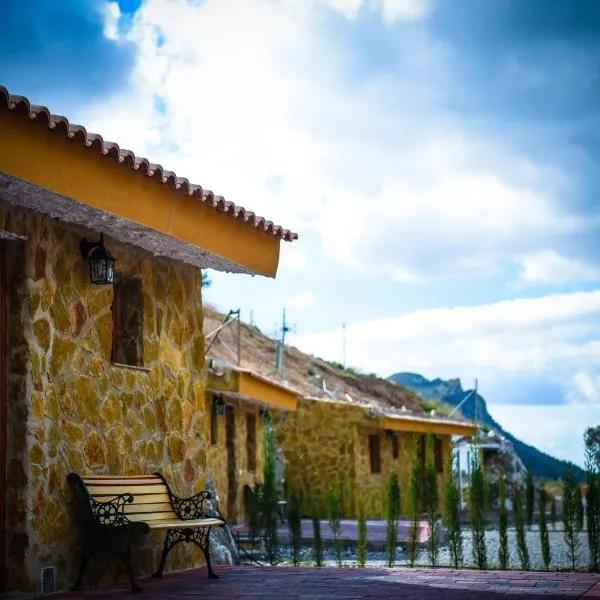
108	490
179	524
149	517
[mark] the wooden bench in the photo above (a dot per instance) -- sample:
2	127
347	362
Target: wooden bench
117	507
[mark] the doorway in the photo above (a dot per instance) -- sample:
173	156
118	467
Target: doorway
231	464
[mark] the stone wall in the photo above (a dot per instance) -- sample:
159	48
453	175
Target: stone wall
71	409
326	445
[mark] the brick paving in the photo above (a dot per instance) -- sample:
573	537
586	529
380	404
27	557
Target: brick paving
245	582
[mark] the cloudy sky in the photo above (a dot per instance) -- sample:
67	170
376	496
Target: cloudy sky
437	157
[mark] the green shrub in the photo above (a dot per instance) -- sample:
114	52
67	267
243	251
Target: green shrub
544	538
335	525
452	516
502	525
476	512
362	538
570	515
393	515
519	521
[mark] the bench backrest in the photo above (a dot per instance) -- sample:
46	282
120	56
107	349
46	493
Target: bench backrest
151	497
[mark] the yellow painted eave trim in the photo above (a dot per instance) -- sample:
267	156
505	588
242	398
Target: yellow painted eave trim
33	153
418	426
266	391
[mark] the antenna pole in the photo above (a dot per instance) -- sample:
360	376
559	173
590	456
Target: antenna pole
476	404
239	336
344	344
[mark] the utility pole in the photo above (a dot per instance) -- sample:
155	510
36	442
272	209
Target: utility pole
344	344
285	328
476	404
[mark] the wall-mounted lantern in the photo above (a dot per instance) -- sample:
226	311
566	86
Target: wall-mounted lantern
265	413
219	404
101	261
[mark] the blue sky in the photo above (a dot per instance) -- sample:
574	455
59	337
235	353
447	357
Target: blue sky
438	158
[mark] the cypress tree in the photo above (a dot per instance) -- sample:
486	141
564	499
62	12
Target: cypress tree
295	527
553	516
452	515
544	538
476	512
519	520
393	516
570	516
335	525
269	491
529	499
317	538
362	538
579	509
592	498
414	504
502	525
431	501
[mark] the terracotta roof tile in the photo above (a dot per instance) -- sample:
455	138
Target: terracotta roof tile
95	142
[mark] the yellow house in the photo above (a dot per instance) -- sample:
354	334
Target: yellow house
105	379
237	400
354	448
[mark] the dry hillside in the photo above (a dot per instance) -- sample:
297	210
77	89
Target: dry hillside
312	376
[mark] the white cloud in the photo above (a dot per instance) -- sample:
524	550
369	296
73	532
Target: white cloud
111	14
396	187
587	388
301	301
547	266
405	10
552	336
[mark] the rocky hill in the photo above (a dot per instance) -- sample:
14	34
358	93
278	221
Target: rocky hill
312	376
451	392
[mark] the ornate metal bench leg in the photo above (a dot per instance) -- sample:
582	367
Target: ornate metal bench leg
77	585
163	556
206	550
135	588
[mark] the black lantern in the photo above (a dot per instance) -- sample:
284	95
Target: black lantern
219	404
101	261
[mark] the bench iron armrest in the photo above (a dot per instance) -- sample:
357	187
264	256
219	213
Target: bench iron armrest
192	507
111	513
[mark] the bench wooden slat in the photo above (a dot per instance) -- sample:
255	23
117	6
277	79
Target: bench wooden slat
150	517
123	481
107	490
137	507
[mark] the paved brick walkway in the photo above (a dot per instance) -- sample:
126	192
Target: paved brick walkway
249	583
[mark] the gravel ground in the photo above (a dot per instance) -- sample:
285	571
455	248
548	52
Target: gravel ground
560	559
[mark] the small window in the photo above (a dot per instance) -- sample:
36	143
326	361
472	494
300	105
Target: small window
214	423
439	455
395	446
375	453
251	441
128	322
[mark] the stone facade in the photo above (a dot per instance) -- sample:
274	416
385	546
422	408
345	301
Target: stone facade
326	445
71	409
230	468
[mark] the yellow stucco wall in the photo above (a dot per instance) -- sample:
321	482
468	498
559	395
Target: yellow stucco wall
327	444
71	409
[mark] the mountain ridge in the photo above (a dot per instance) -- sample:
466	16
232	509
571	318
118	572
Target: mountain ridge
452	393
